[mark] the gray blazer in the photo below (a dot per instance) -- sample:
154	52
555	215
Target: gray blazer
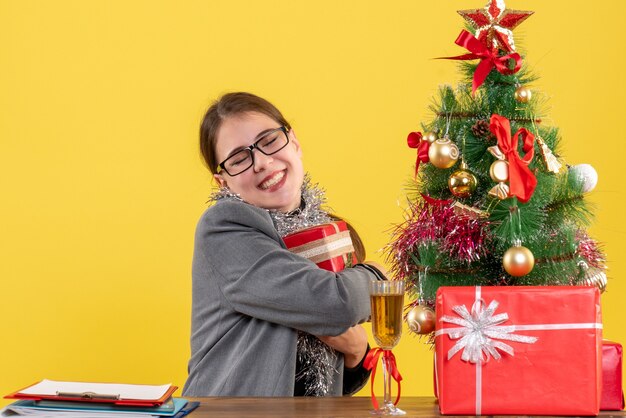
251	295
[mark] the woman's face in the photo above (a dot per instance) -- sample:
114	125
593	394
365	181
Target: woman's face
273	181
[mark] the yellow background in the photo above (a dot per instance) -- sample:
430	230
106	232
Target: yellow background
100	176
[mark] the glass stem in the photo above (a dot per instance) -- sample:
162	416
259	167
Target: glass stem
386	383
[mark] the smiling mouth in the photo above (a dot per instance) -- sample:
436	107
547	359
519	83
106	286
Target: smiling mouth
272	181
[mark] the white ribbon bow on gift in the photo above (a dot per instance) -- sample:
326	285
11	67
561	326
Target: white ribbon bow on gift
479	331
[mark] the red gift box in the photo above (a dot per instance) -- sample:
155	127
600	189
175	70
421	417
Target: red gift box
519	350
612	392
328	245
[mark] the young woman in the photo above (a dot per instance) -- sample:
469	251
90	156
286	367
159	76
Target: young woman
267	322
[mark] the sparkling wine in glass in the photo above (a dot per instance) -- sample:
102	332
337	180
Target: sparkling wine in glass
387	299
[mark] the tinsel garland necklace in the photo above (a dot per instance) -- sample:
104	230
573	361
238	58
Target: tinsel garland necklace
316	359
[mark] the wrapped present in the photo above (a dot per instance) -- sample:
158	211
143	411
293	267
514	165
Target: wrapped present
328	245
612	392
516	350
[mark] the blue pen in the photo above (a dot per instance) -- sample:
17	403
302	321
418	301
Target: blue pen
187	409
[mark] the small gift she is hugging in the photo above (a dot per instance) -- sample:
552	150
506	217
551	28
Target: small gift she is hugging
328	245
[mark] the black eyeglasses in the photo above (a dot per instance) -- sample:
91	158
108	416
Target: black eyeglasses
270	143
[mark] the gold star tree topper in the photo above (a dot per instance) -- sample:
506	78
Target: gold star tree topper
494	24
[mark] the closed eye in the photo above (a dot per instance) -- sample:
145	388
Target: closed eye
239	161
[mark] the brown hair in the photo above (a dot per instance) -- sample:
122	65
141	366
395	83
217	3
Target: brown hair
231	104
359	248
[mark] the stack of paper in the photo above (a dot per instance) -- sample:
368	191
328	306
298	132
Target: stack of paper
51	399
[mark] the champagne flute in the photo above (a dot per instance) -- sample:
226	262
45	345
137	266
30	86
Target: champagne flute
387	299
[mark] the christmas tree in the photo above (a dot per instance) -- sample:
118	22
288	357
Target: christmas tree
492	202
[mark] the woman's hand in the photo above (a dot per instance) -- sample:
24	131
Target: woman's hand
352	343
378	267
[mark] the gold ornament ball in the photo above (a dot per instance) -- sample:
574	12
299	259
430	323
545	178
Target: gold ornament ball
430	137
518	261
499	171
443	153
421	320
462	183
523	94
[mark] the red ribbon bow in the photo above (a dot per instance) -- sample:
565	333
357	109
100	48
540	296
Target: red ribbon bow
522	181
488	59
414	140
371	360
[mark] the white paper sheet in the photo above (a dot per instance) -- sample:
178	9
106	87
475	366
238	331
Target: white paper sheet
139	392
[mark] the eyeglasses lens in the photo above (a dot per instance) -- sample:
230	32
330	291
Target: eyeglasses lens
269	144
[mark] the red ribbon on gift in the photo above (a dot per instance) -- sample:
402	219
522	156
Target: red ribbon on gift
414	140
489	59
522	181
370	363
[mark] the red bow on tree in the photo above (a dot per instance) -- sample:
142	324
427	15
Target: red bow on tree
488	59
414	140
522	181
371	360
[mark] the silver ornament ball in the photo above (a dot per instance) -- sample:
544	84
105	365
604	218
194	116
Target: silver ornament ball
586	174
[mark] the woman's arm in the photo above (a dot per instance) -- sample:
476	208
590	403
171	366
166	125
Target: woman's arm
239	246
352	343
